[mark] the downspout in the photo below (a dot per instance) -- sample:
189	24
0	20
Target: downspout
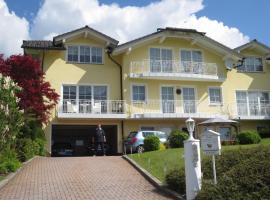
109	52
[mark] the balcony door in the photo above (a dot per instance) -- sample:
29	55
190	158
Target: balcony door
161	60
69	99
100	97
167	96
189	104
191	61
252	103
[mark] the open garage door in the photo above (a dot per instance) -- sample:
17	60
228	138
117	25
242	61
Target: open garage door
76	140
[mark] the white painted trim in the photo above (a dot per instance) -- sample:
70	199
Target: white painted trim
191	49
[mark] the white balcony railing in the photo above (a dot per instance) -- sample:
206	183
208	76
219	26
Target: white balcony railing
72	107
252	109
164	106
173	66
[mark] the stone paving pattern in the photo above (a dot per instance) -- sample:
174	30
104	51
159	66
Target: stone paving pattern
79	178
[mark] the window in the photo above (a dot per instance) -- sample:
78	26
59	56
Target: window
69	93
251	64
73	54
85	54
215	96
160	60
191	56
96	55
138	93
147	128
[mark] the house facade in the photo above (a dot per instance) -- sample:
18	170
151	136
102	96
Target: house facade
151	83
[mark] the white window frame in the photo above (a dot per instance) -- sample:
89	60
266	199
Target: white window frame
79	54
190	50
145	95
221	97
245	67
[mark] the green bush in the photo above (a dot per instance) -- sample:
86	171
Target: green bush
248	137
176	181
151	143
242	174
25	149
248	180
264	133
41	147
8	161
230	158
176	138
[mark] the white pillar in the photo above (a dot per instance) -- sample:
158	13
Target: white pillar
192	167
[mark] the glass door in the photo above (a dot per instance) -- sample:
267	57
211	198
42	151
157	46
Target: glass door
167	96
85	99
100	99
253	103
189	100
264	103
242	106
69	99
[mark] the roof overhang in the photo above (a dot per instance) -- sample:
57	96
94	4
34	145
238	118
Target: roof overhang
193	36
254	44
85	32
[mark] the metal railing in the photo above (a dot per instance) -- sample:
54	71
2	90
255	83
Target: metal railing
164	106
261	108
92	106
173	66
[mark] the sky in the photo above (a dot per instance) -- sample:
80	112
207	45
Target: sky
231	22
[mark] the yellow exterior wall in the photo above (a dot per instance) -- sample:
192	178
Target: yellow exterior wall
59	71
154	86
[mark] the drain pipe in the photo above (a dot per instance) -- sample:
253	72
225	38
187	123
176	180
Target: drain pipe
109	53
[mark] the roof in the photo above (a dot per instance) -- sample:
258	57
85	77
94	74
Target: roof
217	121
252	42
83	29
158	32
164	32
41	44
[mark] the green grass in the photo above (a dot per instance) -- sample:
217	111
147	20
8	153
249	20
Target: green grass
158	163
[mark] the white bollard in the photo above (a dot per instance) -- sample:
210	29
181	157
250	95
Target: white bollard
192	167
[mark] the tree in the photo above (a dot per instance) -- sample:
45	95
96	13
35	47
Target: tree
37	98
11	117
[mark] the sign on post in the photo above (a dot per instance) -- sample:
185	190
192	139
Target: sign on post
210	143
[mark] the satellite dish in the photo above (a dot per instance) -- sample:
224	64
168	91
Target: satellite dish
229	63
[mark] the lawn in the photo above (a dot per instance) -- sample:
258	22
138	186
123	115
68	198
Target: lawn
158	163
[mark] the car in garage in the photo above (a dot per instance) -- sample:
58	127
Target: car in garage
62	149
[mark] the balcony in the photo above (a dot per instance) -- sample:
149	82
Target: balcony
173	69
110	109
249	111
169	109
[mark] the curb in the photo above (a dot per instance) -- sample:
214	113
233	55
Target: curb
153	180
13	174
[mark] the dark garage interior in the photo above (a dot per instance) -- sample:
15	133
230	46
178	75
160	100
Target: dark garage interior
79	139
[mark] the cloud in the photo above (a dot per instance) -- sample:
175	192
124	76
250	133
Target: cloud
126	23
121	23
13	30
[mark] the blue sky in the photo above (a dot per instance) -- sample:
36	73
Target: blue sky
218	18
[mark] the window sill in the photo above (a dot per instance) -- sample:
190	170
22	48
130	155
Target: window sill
216	104
83	63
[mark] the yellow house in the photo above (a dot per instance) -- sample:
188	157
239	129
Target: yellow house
151	83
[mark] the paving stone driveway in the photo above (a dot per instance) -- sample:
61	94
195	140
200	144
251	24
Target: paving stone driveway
79	178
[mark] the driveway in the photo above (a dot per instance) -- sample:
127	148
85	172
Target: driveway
79	178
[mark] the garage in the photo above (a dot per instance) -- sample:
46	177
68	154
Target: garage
77	140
